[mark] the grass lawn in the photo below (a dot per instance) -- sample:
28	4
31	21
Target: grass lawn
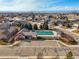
64	27
38	39
68	41
3	42
76	31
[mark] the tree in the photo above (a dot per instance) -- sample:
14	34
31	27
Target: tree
22	26
56	24
78	26
45	26
25	26
29	26
66	18
69	55
40	55
69	25
41	26
18	24
35	27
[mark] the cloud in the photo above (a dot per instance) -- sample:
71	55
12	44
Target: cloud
17	5
33	5
24	5
57	8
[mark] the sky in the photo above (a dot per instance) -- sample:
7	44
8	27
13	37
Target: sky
38	5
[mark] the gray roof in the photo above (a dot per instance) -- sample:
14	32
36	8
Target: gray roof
3	36
33	34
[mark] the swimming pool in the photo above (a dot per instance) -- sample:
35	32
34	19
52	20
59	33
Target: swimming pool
44	32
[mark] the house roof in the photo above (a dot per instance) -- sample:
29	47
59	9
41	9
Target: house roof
29	34
3	36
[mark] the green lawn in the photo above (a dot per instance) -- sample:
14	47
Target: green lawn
3	42
76	31
38	39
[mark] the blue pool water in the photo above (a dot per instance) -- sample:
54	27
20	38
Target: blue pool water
44	32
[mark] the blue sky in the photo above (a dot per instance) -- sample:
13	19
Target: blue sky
39	5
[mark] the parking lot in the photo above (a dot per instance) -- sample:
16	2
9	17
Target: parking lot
46	43
39	48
